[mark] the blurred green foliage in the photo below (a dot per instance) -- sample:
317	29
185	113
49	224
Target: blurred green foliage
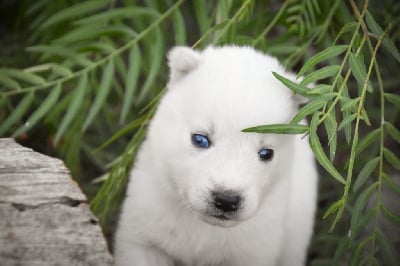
81	79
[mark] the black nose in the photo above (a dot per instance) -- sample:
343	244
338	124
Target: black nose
226	201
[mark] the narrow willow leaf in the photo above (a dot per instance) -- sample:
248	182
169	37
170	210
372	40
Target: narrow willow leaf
367	141
359	226
325	72
345	122
51	50
345	113
394	218
43	110
393	98
104	90
357	67
119	13
74	11
326	54
179	28
203	19
17	113
74	108
60	70
331	129
279	129
365	172
296	88
23	76
356	254
155	64
9	82
350	105
341	248
132	76
360	204
310	108
90	32
387	252
320	89
364	117
126	129
387	43
392	158
319	152
390	183
333	208
393	131
348	27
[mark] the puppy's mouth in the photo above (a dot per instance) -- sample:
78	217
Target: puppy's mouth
220	218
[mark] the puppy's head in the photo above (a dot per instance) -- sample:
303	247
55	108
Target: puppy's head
220	173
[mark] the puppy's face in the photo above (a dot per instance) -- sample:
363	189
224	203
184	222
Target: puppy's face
218	172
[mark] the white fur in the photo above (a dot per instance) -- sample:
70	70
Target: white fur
164	221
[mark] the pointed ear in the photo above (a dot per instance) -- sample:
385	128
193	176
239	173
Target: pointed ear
181	61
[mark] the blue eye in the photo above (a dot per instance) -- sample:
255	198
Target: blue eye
200	141
266	154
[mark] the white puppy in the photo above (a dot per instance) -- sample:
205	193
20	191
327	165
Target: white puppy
202	192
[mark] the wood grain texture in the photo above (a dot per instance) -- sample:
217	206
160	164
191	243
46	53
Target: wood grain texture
44	217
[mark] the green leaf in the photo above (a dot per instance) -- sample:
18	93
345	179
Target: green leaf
345	122
326	54
393	186
90	32
350	105
156	59
179	28
203	19
310	108
358	226
320	89
118	13
60	70
348	27
365	172
43	109
63	52
341	248
126	129
391	216
132	77
387	252
392	158
18	112
357	67
333	208
355	256
393	98
331	129
104	90
75	106
319	152
23	76
322	73
360	204
367	141
393	131
345	112
387	43
296	88
9	82
74	11
279	129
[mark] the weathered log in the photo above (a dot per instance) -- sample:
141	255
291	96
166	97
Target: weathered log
44	217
